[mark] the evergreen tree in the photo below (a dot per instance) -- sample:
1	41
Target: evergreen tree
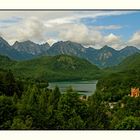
129	123
98	118
7	112
54	97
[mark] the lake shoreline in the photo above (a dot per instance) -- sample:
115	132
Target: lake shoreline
69	80
86	87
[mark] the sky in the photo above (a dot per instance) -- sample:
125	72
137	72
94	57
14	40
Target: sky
116	29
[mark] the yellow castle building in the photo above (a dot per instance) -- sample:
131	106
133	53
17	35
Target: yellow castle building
135	92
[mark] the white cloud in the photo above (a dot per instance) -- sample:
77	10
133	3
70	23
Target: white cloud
63	15
115	41
80	33
28	29
52	26
109	27
51	41
32	29
111	38
35	30
72	16
135	39
89	36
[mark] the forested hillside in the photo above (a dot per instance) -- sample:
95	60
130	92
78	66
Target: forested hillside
31	106
116	91
27	103
48	68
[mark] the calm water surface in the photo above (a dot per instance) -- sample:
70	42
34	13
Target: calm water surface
82	87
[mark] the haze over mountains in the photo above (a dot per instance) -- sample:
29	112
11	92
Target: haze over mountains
104	57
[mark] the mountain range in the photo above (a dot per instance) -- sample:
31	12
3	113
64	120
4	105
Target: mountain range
104	57
31	47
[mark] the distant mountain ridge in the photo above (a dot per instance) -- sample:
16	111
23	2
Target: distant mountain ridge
31	47
104	57
7	50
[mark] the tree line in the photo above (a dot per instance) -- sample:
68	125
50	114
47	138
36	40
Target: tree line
32	105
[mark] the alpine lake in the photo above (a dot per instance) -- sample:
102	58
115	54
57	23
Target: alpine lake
82	87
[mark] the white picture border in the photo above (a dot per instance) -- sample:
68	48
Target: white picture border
69	4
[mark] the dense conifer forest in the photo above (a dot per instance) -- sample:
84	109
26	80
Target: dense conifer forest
33	106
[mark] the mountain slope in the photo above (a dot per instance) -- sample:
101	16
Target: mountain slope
119	80
55	68
31	47
110	57
67	47
101	57
7	50
6	62
131	62
128	51
104	57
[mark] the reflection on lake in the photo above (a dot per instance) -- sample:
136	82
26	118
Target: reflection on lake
82	87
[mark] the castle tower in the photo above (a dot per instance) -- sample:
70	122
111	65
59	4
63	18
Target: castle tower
135	92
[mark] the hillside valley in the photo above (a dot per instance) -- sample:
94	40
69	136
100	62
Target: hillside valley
118	80
52	68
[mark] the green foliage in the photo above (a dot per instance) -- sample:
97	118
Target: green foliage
131	62
54	97
6	62
75	123
98	118
72	109
131	106
19	124
28	103
121	78
115	88
40	108
117	85
7	111
8	85
55	68
129	123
